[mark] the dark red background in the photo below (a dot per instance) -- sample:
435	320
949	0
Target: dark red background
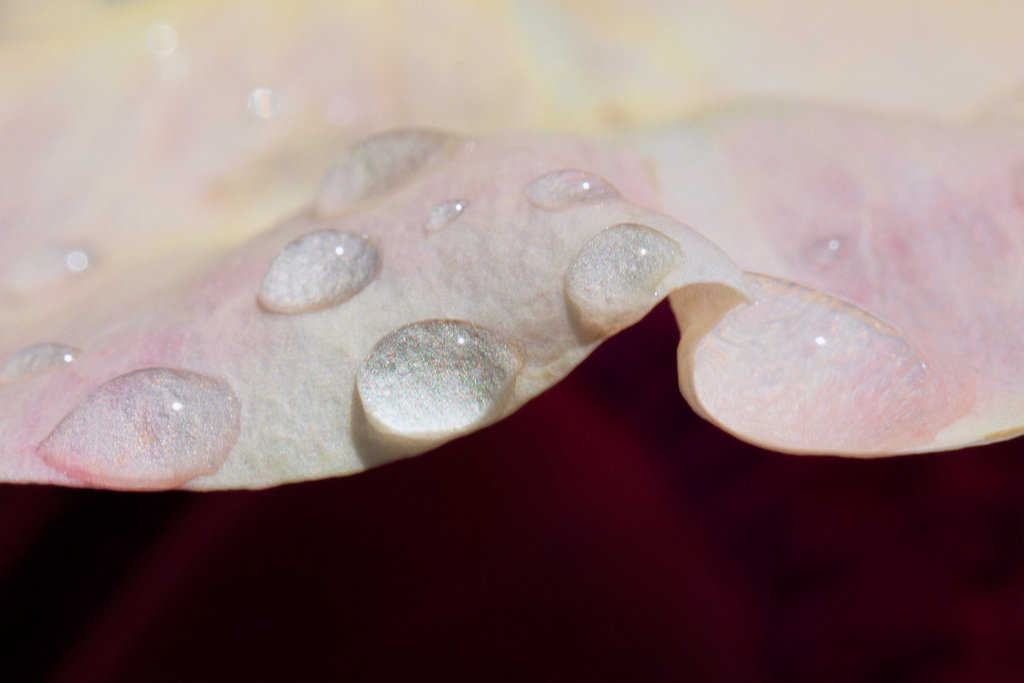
603	533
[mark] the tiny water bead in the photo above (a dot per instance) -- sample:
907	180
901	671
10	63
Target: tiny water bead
442	215
151	428
34	360
613	279
569	187
263	103
436	378
379	164
318	270
824	253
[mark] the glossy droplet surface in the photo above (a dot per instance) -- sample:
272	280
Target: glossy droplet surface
318	270
442	215
34	360
378	165
569	187
437	378
614	277
805	371
151	428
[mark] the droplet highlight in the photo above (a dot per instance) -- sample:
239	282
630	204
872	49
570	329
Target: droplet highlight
437	378
613	280
317	271
263	103
35	360
569	187
151	428
442	215
378	165
825	253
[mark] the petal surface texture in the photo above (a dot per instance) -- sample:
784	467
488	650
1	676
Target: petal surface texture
229	267
327	344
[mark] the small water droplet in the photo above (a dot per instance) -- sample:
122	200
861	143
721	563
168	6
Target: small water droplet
437	378
161	39
34	360
76	260
820	341
824	253
444	213
318	270
264	103
378	165
569	187
151	428
35	273
614	278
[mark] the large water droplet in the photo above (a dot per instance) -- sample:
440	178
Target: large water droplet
437	378
318	270
34	360
613	280
378	165
442	215
569	187
151	428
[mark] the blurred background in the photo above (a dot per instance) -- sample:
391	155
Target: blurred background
603	533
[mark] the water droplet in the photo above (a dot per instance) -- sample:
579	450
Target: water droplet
820	341
614	278
318	270
378	165
34	360
824	253
76	260
444	213
569	187
47	269
161	39
263	103
437	378
151	428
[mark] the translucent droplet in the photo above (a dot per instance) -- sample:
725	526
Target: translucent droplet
569	187
151	428
823	253
34	360
161	39
76	260
437	378
614	278
378	165
444	213
263	103
318	270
